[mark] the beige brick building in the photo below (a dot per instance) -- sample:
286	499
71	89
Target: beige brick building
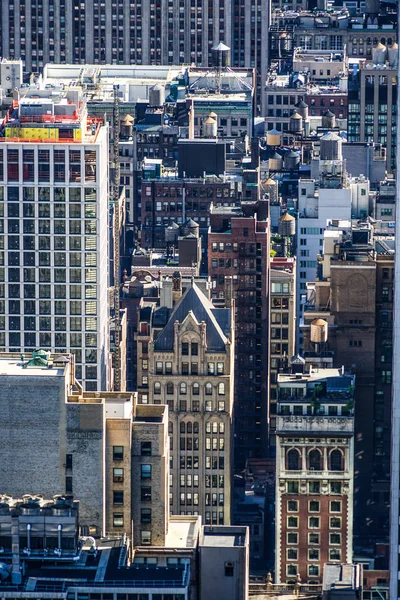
190	368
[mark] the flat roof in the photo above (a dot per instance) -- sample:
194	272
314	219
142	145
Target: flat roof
182	532
217	540
15	367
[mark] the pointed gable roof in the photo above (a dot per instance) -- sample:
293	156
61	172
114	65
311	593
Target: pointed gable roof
217	321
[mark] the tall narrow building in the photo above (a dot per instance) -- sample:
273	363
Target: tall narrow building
238	248
314	471
187	348
54	231
395	455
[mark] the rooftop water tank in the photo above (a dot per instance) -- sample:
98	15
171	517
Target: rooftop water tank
330	147
275	163
319	331
221	56
328	120
302	109
393	55
271	188
287	225
156	95
273	137
379	54
291	160
172	233
210	127
190	226
296	123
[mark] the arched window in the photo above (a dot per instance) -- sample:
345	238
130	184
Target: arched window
314	459
293	460
170	388
182	388
195	427
182	427
221	389
195	389
157	387
208	389
189	427
336	460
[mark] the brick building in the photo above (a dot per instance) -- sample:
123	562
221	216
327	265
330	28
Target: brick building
238	248
354	295
314	471
168	200
185	360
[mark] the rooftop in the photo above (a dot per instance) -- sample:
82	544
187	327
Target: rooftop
222	537
183	532
27	365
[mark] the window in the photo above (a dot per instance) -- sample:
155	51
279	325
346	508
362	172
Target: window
315	460
118	497
228	569
293	521
335	522
194	349
313	554
145	471
314	487
145	449
145	515
195	389
118	520
208	389
336	460
335	538
118	452
313	522
182	388
291	570
145	494
221	389
145	538
293	487
292	554
336	487
68	461
335	506
293	506
314	506
313	570
157	388
118	475
293	460
292	538
68	484
185	349
313	538
334	554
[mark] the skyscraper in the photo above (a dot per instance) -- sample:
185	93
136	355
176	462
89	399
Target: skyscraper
118	32
395	458
54	231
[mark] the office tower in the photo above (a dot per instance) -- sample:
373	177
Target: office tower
373	94
282	329
314	471
395	450
353	297
54	231
185	360
238	248
167	32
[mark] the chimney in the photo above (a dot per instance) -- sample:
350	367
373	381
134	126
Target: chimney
176	287
228	292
